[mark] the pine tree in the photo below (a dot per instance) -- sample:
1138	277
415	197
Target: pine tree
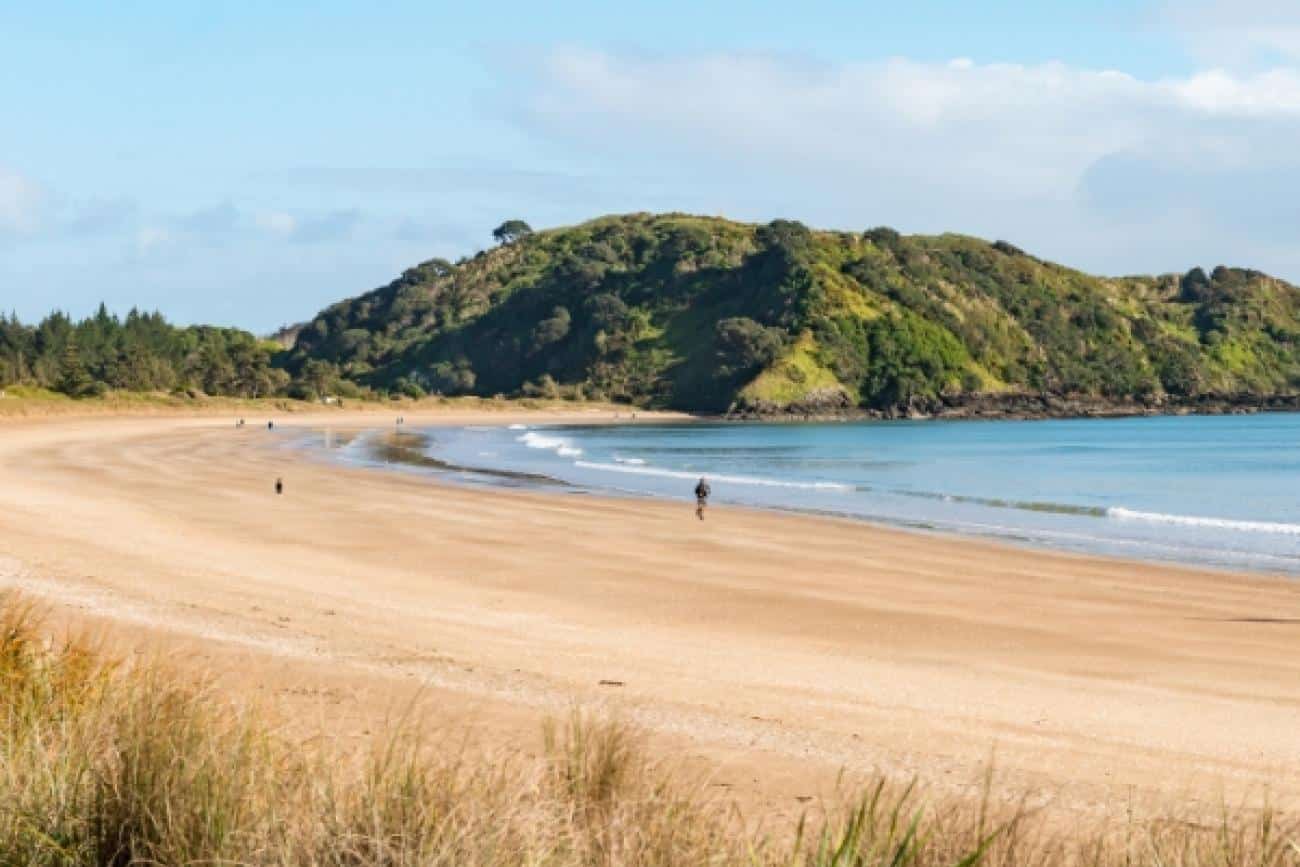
74	381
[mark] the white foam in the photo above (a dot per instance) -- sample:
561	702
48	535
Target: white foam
713	477
559	445
633	461
1196	521
518	427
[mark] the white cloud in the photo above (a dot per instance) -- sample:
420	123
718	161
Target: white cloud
151	238
33	212
276	223
1235	32
23	204
1028	128
1216	92
993	149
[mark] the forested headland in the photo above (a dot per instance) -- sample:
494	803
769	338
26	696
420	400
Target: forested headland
706	314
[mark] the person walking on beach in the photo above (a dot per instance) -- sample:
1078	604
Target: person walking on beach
279	485
702	492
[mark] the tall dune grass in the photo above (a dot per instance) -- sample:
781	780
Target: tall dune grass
104	762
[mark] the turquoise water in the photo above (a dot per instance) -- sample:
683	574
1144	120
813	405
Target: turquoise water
1220	491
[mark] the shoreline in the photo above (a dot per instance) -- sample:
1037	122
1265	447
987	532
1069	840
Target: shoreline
1014	406
783	648
387	453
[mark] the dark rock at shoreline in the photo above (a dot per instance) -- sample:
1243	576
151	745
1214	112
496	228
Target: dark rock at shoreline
1023	406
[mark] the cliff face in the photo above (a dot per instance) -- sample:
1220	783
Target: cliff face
707	314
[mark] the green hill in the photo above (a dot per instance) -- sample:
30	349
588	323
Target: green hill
708	314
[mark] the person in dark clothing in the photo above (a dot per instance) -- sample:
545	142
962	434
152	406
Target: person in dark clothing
702	492
279	486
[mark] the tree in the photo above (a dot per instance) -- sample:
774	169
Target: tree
448	377
74	381
319	376
608	312
551	330
909	357
745	346
1194	286
511	231
883	237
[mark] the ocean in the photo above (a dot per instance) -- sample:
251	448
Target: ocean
1218	491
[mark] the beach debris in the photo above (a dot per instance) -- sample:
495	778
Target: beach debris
612	683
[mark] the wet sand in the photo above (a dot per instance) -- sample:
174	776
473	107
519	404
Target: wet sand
775	650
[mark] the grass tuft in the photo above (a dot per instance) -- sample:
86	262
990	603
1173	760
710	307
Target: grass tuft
108	763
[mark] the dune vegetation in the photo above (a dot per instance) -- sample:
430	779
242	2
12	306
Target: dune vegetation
110	761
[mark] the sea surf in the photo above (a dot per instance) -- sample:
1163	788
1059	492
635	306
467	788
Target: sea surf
1216	491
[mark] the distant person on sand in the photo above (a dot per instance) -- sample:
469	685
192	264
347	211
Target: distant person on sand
279	486
270	425
702	492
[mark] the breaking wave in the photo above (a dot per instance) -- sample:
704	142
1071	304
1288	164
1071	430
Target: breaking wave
713	477
1196	521
562	447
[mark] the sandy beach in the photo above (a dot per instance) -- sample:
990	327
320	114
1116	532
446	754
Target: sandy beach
774	651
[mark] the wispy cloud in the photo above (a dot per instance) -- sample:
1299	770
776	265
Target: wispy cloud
214	221
1000	149
1237	32
99	217
432	180
34	212
225	223
150	238
328	226
23	203
445	231
276	223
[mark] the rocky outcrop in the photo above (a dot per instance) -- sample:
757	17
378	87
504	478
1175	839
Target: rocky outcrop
821	402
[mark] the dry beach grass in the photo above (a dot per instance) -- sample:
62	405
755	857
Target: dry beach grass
105	761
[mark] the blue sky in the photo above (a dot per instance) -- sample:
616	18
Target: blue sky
249	163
